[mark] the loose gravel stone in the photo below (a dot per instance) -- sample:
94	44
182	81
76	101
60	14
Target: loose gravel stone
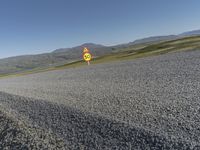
155	99
81	130
15	135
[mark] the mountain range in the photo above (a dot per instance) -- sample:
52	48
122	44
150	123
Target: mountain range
67	55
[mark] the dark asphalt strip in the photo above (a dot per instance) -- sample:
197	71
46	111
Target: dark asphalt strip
86	131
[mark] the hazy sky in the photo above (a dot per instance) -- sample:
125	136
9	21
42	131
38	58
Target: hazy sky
37	26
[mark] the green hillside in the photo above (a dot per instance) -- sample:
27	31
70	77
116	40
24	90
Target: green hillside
139	51
128	53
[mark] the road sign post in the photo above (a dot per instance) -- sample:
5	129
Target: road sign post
86	55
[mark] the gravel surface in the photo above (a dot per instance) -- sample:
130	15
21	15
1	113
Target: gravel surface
15	134
149	103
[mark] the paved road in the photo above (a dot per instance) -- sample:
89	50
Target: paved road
144	103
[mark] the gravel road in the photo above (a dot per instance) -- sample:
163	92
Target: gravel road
148	103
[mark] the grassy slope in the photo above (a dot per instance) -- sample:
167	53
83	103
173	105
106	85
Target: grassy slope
132	52
188	43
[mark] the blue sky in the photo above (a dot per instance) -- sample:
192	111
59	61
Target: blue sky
37	26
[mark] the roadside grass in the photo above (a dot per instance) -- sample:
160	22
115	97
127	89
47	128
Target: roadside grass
132	52
183	44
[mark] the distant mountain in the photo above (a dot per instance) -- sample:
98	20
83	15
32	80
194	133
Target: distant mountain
88	45
153	39
60	50
57	57
66	55
191	33
76	52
